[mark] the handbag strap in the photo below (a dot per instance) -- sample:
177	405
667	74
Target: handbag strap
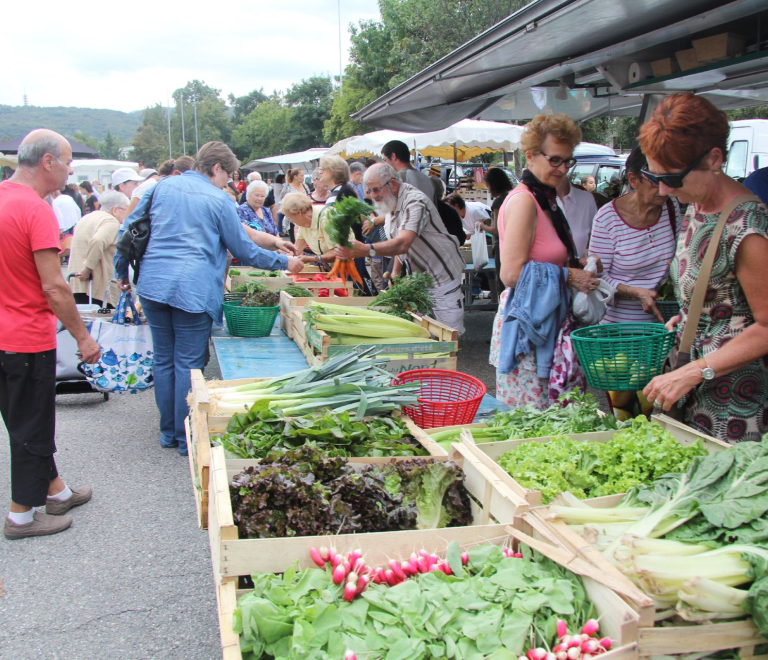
672	216
705	271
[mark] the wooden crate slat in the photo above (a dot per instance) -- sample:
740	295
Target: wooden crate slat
713	637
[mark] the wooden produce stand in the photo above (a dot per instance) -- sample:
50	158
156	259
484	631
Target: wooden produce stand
488	452
201	424
289	304
317	346
617	619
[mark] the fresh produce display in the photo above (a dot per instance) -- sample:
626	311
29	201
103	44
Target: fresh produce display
361	323
696	542
233	272
641	452
335	434
574	412
262	273
261	298
407	294
304	492
249	288
487	603
341	217
349	382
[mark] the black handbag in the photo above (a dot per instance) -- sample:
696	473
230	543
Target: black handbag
135	239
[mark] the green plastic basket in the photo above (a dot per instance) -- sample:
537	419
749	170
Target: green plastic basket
249	321
668	308
622	356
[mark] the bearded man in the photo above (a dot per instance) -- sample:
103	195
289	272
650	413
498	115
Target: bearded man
417	236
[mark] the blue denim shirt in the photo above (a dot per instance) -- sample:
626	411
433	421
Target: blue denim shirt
193	225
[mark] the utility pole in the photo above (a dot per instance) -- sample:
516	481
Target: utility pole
338	4
183	137
194	102
168	112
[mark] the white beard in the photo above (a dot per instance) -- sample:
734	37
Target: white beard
386	205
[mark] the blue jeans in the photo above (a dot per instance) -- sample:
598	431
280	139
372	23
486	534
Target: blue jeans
180	340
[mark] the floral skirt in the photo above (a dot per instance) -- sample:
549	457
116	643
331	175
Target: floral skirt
522	386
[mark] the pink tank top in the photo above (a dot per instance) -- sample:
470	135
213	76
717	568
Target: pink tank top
547	246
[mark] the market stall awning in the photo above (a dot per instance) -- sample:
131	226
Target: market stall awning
8	161
282	161
583	57
470	138
79	150
340	149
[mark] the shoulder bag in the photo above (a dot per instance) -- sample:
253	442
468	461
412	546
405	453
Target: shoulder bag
682	355
133	243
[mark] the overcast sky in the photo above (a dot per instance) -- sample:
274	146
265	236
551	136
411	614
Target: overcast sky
125	56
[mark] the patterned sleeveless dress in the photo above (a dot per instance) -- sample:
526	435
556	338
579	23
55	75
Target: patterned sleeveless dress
733	407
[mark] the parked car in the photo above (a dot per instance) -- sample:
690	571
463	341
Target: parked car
747	147
605	168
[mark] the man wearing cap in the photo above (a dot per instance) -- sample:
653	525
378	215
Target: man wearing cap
149	177
33	295
434	173
125	180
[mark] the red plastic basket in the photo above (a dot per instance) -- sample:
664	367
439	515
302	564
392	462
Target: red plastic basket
445	398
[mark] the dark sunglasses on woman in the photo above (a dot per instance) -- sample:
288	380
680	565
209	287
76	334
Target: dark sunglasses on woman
674	180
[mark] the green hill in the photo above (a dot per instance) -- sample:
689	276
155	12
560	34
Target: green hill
16	121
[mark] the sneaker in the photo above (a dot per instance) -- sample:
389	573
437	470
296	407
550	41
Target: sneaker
79	496
42	525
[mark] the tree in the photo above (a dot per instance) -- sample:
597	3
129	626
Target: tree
411	35
266	131
242	106
87	140
109	148
213	122
151	140
311	101
755	112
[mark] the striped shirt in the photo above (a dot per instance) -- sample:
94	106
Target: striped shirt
434	250
633	257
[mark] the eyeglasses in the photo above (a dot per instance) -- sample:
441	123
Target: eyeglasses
556	161
376	191
672	180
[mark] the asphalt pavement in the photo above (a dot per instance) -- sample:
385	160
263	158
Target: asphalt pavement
132	578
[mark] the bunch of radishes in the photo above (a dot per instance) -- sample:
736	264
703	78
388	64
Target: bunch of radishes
573	647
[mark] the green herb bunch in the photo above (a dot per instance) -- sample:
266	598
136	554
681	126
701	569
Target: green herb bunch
407	294
342	216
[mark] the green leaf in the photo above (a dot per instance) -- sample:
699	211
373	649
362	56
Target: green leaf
406	649
515	630
453	556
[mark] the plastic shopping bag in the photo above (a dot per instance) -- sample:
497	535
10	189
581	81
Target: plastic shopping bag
125	366
590	308
479	250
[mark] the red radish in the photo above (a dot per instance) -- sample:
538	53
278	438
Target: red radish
408	569
349	591
464	558
561	655
423	553
359	566
337	560
353	556
324	553
551	656
377	579
606	643
331	553
433	568
433	559
347	566
395	566
574	653
560	647
362	583
537	654
353	577
317	557
338	575
566	639
423	565
391	578
590	628
587	656
445	568
522	657
575	642
562	628
590	646
518	555
350	655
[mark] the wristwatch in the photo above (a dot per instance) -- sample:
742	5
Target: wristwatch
707	372
372	250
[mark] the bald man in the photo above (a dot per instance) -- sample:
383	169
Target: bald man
33	295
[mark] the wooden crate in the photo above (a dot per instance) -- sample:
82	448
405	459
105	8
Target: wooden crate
201	424
277	283
652	641
718	47
664	67
489	452
492	503
617	619
288	303
687	59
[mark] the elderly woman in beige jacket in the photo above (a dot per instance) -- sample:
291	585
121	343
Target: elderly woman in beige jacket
93	249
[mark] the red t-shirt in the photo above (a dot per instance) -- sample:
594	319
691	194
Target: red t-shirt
27	224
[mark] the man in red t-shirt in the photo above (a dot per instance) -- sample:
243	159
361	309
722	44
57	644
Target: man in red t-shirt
32	296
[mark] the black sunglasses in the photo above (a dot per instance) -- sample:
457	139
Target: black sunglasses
556	161
672	180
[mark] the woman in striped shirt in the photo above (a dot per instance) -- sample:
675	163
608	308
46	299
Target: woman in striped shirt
635	237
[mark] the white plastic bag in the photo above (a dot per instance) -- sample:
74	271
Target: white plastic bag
590	308
479	250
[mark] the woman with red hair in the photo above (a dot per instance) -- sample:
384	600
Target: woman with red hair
723	391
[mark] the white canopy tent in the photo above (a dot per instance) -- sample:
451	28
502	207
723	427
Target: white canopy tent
305	159
340	149
88	169
465	139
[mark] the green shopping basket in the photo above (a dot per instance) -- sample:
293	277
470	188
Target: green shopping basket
249	321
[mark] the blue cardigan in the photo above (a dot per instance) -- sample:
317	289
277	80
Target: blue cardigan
533	313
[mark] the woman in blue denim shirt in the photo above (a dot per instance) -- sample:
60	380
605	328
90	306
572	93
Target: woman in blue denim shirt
253	213
181	285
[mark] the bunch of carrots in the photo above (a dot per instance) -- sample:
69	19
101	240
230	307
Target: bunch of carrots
341	217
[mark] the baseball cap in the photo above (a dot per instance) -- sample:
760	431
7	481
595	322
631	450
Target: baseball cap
147	172
124	174
435	169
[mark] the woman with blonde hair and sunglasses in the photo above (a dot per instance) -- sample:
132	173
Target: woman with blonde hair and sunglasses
538	267
723	390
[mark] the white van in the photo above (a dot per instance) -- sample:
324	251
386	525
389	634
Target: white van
747	147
